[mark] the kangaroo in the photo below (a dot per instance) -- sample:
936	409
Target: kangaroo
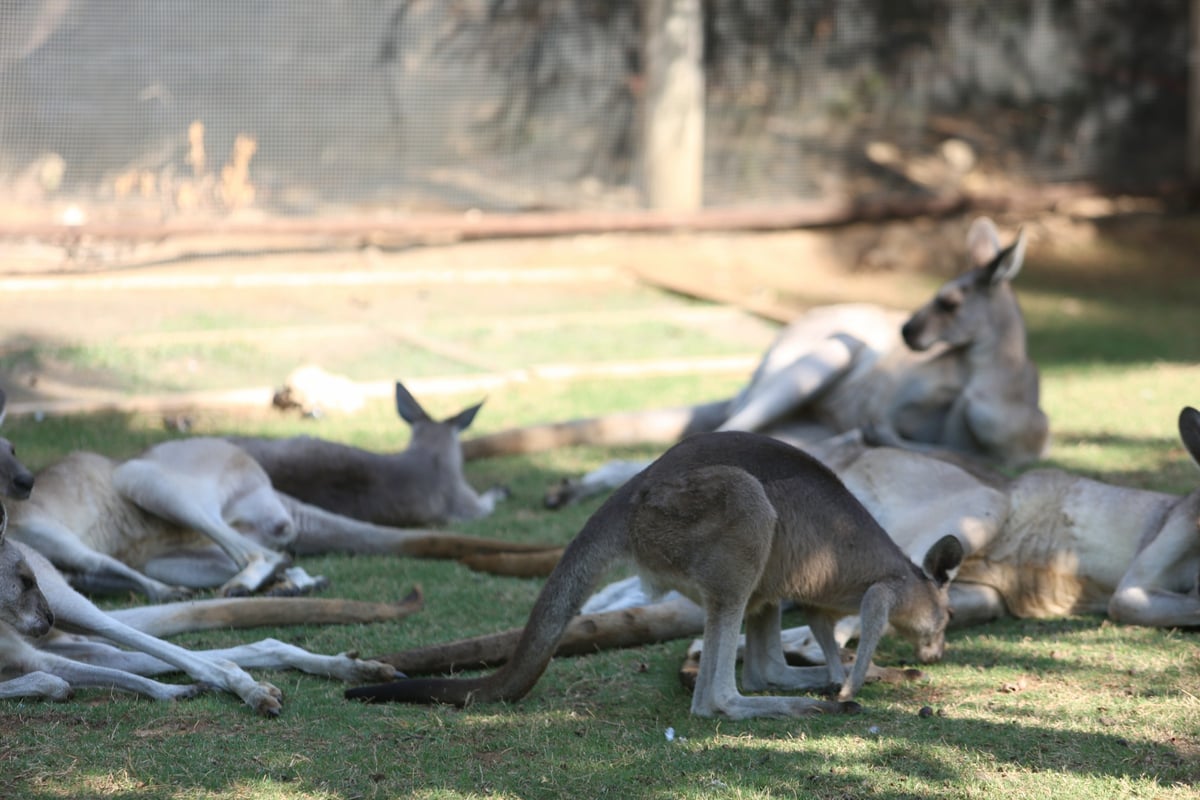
37	606
16	480
197	513
1045	544
738	521
954	376
422	485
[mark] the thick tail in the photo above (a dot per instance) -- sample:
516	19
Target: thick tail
674	618
321	531
656	426
169	619
602	540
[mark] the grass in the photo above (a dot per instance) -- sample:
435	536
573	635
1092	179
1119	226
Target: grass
1065	709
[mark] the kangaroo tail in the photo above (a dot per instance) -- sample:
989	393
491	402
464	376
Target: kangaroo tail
666	425
321	531
603	539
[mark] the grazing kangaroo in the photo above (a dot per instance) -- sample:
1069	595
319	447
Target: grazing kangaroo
1042	545
422	485
955	376
196	513
739	521
37	606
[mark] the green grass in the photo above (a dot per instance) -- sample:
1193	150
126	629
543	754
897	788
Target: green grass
1067	709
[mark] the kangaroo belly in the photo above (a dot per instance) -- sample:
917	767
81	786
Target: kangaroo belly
1065	545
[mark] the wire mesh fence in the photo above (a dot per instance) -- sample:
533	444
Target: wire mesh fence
170	109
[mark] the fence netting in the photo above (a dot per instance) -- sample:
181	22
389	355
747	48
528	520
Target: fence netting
165	109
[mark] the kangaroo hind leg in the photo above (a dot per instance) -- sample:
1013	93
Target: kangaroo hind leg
710	530
765	665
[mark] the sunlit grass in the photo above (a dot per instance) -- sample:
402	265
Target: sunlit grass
1065	709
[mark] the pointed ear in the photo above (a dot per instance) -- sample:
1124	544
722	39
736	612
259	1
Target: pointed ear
943	559
983	242
1189	431
407	406
463	419
1007	263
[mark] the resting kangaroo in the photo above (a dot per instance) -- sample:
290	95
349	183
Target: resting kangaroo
738	521
195	513
37	607
1045	544
954	376
422	485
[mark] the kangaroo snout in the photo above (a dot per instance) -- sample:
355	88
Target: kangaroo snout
20	487
911	333
42	625
930	649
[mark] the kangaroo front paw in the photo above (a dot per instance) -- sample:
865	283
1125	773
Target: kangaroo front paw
165	593
188	691
561	494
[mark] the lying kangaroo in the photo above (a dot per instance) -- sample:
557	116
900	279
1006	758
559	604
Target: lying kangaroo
954	376
1045	544
422	485
738	521
17	479
37	606
195	513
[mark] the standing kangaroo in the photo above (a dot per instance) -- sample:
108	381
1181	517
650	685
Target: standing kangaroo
739	522
1045	544
955	376
421	485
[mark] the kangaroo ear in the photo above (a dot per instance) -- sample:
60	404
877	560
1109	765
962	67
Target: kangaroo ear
1189	431
983	242
407	406
943	559
463	419
1007	263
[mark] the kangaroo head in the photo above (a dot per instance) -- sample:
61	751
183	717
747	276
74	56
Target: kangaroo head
923	615
976	305
253	506
1189	431
15	480
430	435
1186	513
22	604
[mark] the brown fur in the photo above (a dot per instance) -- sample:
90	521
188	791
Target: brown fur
738	522
421	485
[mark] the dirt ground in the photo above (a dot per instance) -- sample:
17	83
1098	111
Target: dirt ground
218	322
